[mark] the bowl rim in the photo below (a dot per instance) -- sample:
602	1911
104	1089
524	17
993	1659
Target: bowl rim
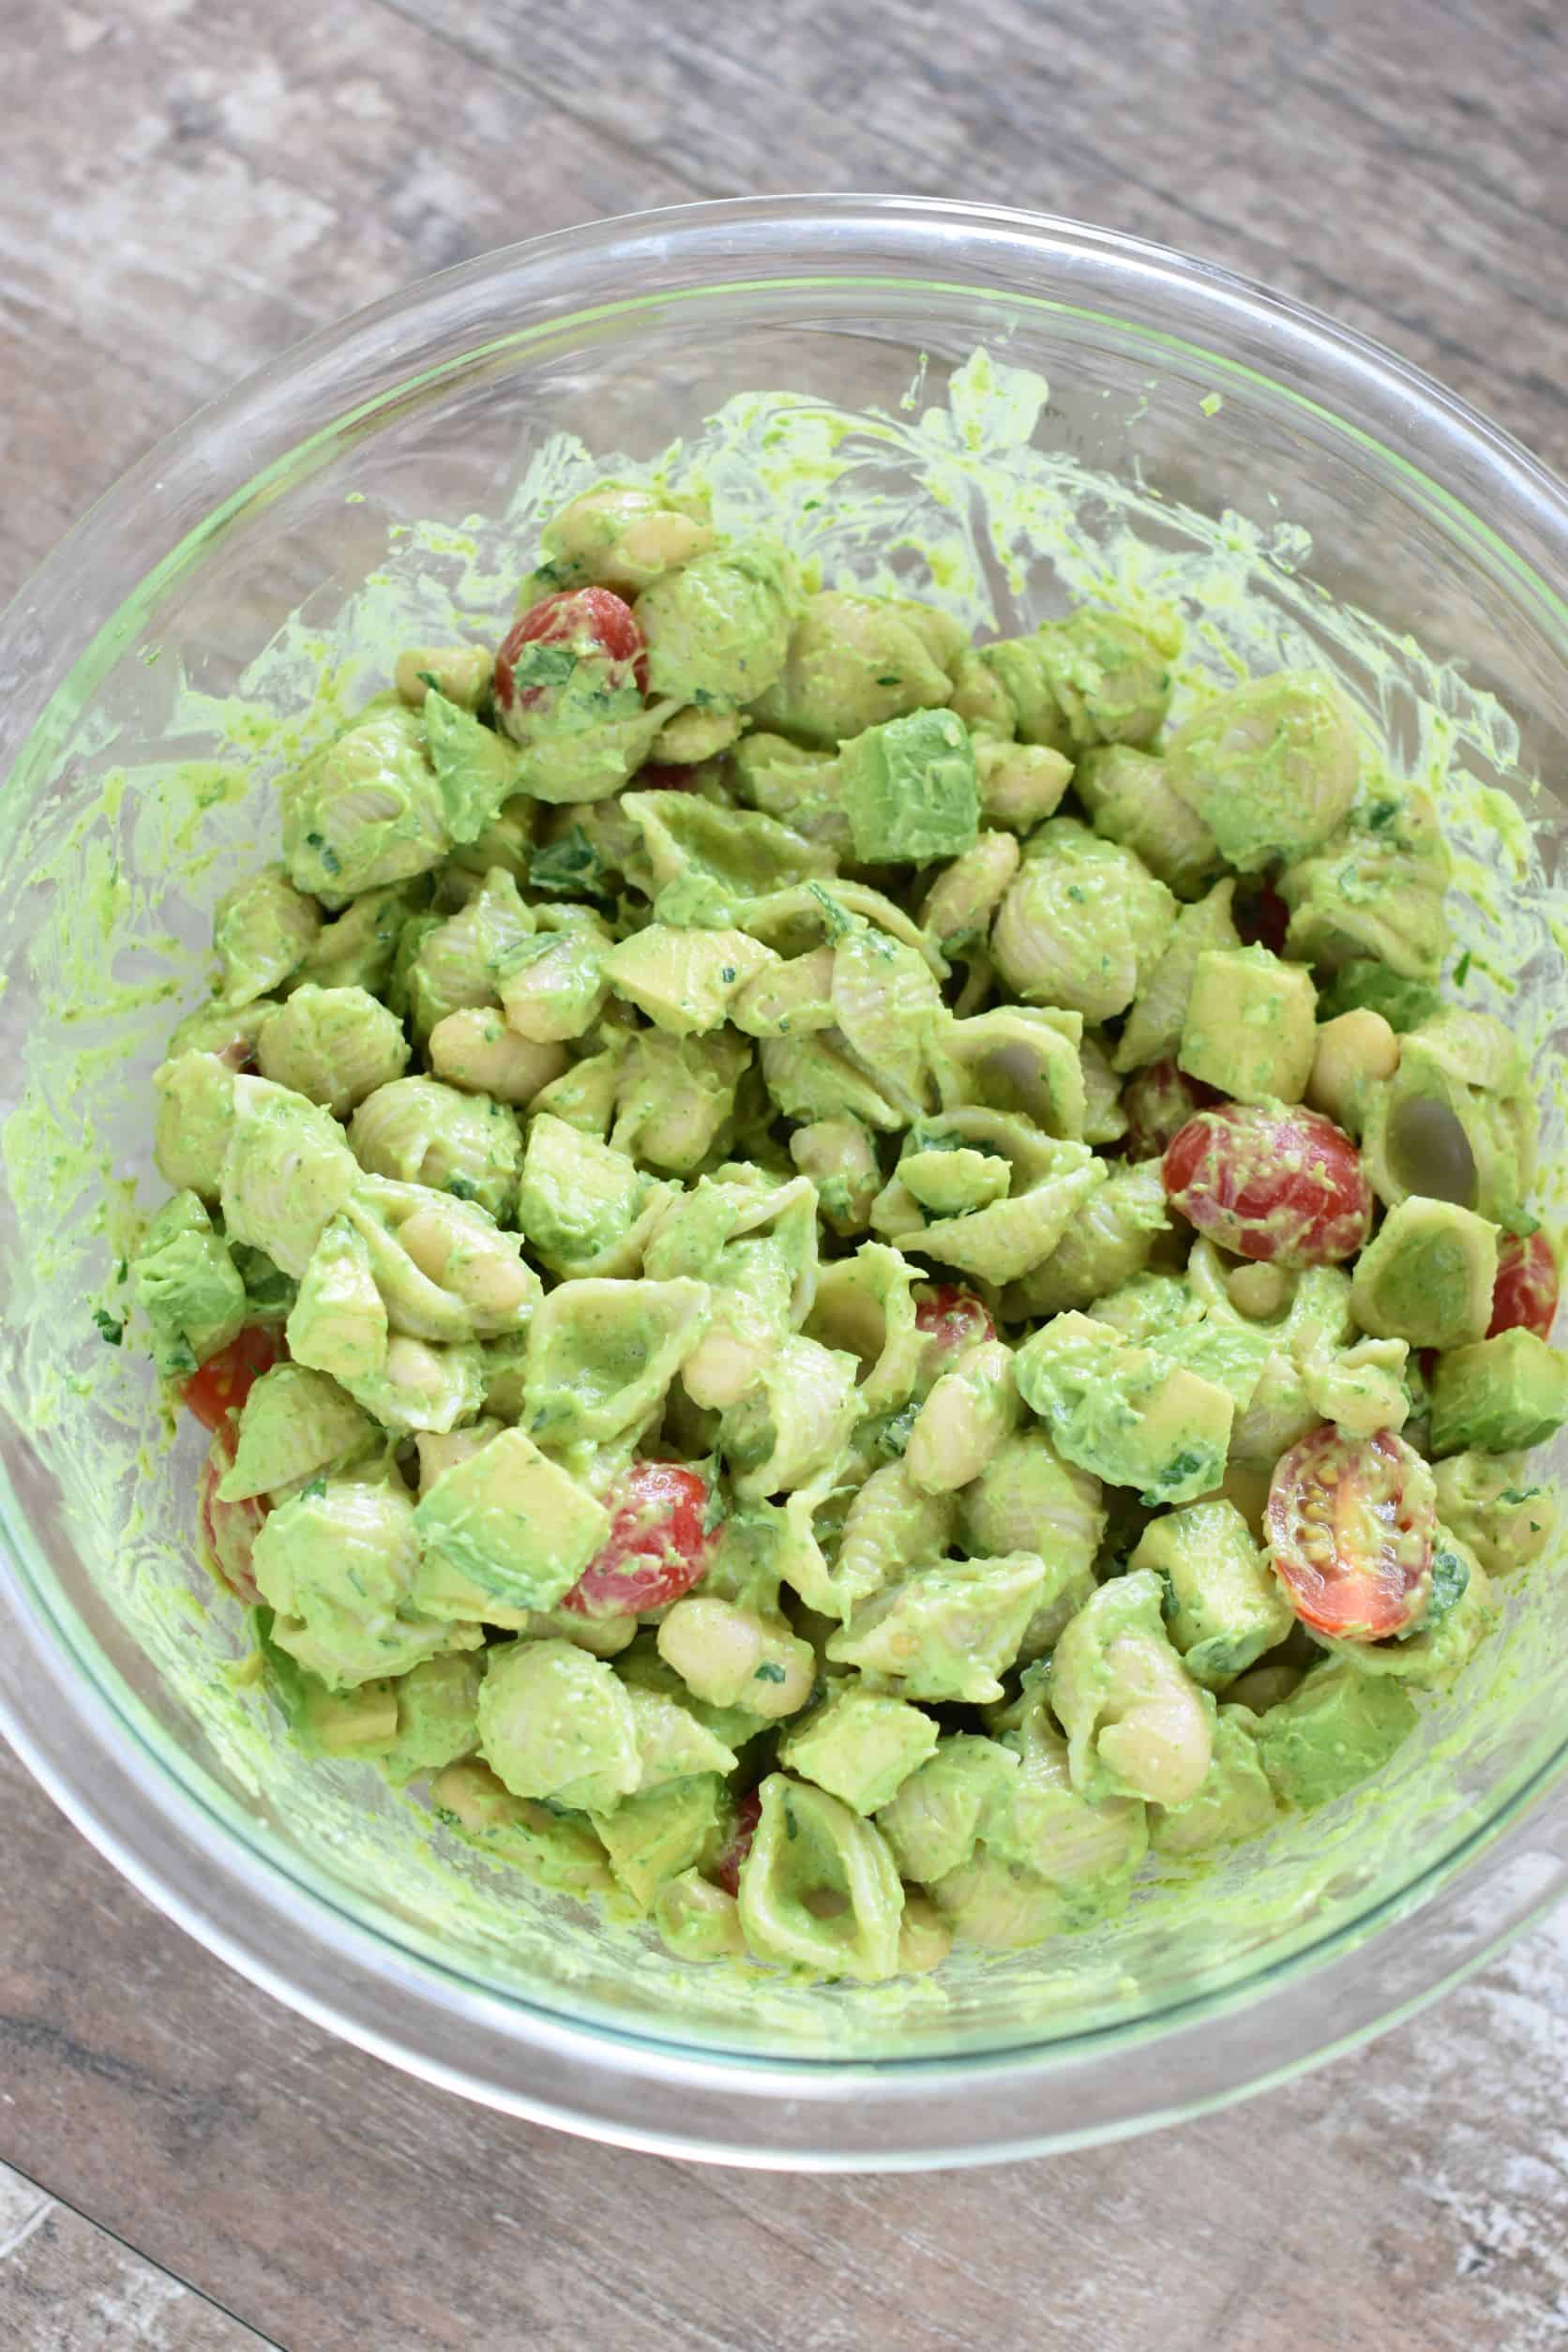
174	475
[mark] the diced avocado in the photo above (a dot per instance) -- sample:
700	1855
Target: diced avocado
1251	1025
1336	1729
1428	1275
189	1287
510	1524
671	1744
685	981
1501	1396
1365	983
294	1423
338	1322
555	1723
658	1832
860	1744
1225	1607
337	1563
437	1714
1496	1507
910	790
477	771
1124	1412
577	1197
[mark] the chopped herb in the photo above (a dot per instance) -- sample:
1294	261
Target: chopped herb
893	1435
122	1272
768	1672
1182	1467
310	1493
727	973
109	1331
543	666
1449	1579
428	677
701	699
1521	1225
1381	813
791	1827
890	677
1461	969
1517	1494
460	1189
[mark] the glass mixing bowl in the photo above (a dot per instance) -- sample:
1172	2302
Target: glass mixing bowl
1337	477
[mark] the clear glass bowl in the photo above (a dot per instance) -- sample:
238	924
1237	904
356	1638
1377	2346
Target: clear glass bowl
290	493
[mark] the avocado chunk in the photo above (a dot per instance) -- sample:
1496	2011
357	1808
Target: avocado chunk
1124	1412
510	1524
1251	1025
910	790
1337	1728
1502	1395
1428	1275
860	1744
189	1287
1222	1607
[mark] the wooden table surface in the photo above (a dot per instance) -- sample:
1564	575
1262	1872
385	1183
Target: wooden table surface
186	186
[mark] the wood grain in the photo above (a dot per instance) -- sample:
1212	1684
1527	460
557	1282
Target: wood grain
186	186
67	2285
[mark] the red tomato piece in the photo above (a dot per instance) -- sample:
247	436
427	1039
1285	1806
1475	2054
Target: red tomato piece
1283	1184
659	776
1524	1296
1263	919
743	1828
225	1381
227	1529
1351	1524
951	1318
1159	1101
658	1547
595	624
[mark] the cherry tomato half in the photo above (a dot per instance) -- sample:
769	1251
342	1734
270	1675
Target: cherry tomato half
225	1381
743	1828
657	1546
1352	1523
1285	1184
1159	1101
952	1319
595	624
227	1529
1524	1297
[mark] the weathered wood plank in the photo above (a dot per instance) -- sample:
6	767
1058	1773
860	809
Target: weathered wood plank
1398	164
1412	2195
255	173
67	2287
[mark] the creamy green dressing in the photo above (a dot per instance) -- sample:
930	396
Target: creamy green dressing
944	499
